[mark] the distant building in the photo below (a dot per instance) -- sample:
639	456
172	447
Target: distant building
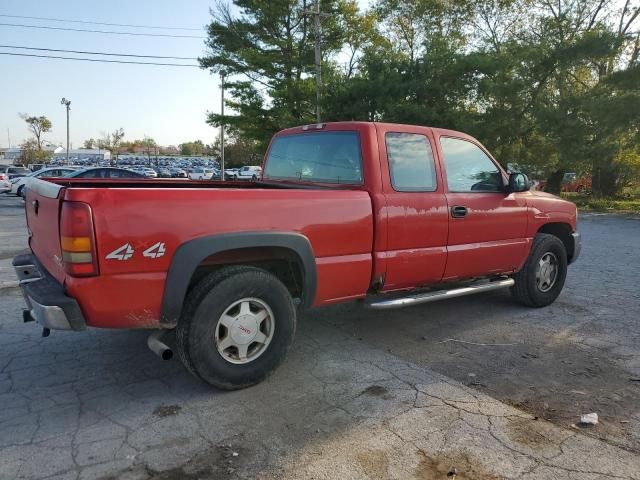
11	155
82	154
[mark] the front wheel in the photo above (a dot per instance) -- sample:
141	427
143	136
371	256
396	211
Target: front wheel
541	279
237	326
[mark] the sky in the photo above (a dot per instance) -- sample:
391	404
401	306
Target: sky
168	104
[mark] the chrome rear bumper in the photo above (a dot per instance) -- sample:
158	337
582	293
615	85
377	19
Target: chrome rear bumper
45	297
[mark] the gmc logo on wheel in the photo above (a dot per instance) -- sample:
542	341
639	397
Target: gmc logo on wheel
245	330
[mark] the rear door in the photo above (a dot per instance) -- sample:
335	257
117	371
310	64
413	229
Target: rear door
416	207
487	227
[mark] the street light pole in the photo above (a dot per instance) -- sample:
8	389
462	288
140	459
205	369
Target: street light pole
222	126
318	58
67	104
317	17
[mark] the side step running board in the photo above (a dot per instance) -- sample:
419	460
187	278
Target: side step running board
440	295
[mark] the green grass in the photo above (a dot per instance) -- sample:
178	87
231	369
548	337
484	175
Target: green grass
587	202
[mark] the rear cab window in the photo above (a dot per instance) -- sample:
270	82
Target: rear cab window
411	162
321	157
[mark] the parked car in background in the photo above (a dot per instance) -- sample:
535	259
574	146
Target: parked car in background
164	172
249	173
231	173
8	173
199	173
177	173
150	172
571	182
19	184
34	167
106	172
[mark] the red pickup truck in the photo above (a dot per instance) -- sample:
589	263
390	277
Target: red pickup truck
393	215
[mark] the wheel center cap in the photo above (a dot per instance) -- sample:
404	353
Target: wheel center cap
244	329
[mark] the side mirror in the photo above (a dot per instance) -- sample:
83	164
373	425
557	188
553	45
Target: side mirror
518	182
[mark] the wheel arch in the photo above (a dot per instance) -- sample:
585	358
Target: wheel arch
563	231
199	256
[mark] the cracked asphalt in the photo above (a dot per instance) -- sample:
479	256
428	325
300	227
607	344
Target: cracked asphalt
361	395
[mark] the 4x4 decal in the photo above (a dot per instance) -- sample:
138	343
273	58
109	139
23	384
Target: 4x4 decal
155	251
126	251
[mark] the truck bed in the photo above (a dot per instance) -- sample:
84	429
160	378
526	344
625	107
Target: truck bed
142	213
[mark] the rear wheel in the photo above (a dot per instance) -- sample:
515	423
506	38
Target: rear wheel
237	326
542	278
21	192
254	178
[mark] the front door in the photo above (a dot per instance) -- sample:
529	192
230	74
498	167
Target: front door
487	227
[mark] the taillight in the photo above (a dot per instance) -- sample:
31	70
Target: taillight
3	176
77	240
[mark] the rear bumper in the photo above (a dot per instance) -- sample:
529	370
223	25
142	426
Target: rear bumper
577	246
46	300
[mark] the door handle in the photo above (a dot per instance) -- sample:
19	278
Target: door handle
459	212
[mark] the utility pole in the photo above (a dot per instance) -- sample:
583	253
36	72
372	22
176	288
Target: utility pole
317	16
67	104
8	138
222	126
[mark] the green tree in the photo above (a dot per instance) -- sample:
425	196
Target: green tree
38	126
240	151
116	141
192	148
32	153
89	144
267	54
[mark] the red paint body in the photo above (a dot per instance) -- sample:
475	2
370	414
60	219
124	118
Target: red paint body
360	235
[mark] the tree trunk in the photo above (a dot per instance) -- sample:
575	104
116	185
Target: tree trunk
605	181
554	182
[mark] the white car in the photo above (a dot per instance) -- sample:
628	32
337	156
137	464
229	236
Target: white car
19	184
249	173
199	173
8	174
150	172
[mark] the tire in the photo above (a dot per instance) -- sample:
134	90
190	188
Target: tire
254	178
20	192
527	289
198	336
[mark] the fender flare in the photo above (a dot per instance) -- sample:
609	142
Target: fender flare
190	254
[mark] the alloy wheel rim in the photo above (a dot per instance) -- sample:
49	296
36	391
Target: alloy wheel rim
547	272
244	330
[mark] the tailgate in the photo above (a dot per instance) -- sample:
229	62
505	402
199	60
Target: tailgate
42	204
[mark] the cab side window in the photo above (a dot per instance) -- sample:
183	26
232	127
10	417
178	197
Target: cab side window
411	162
468	168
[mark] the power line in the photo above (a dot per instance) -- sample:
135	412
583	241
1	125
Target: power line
96	53
110	32
100	23
100	60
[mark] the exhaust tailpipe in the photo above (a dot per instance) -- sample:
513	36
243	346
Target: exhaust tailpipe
157	346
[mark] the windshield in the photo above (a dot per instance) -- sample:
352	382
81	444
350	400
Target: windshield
324	157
